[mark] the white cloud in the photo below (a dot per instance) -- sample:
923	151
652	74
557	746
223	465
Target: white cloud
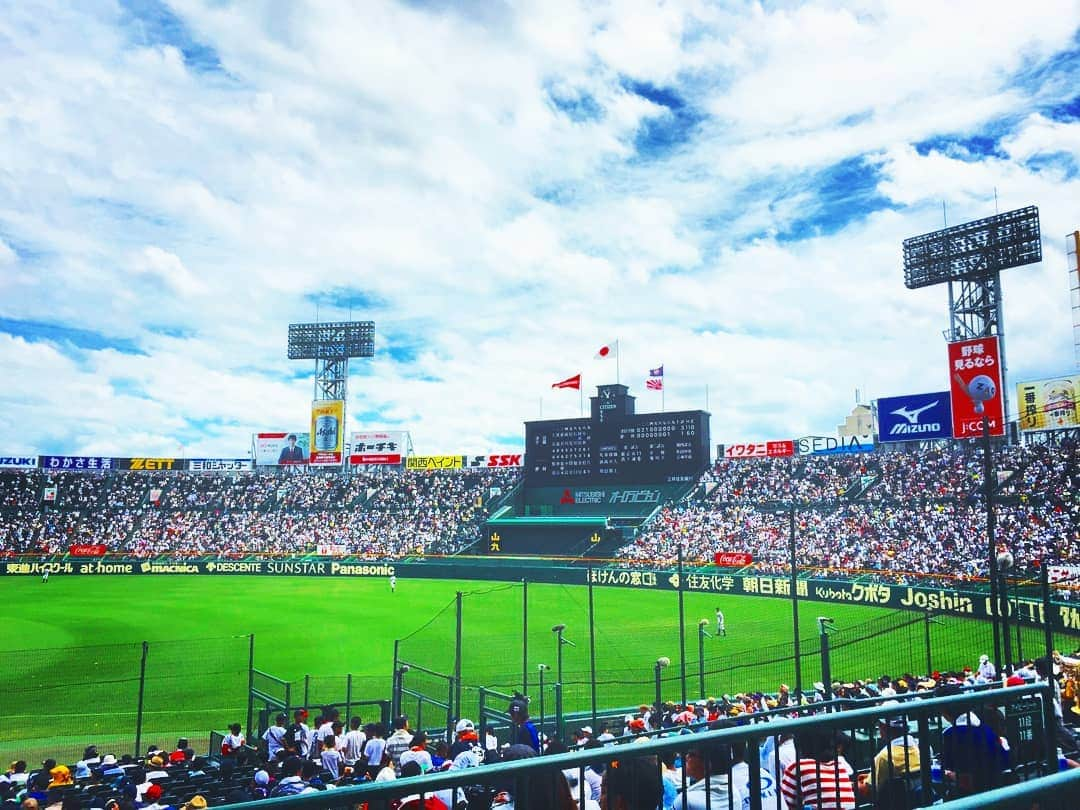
425	162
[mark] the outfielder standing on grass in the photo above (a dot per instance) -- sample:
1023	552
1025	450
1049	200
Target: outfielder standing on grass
720	631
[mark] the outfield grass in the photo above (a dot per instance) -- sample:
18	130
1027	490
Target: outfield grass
334	626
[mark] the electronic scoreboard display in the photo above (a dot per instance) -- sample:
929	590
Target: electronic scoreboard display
615	445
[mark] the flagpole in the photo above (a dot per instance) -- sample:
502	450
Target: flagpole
663	393
541	407
617	361
581	399
706	396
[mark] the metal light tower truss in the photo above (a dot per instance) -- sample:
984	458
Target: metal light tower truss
331	345
969	258
972	256
1073	251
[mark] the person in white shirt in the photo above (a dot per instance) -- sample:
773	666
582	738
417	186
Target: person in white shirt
233	741
353	742
986	669
274	737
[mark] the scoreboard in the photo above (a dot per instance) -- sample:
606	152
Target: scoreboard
614	445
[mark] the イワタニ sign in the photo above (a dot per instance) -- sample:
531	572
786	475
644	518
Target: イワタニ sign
975	387
774	449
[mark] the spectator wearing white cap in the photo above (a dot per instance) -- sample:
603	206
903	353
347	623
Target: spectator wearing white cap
986	669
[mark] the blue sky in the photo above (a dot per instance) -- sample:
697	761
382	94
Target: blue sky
722	187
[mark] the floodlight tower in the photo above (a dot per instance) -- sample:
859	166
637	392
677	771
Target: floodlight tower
970	258
331	345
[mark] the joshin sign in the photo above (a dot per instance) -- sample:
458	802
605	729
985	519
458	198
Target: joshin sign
975	387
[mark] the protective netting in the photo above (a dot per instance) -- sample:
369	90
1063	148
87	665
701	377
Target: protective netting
90	695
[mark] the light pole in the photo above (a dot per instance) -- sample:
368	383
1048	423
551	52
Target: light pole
661	663
991	541
543	668
682	631
1005	563
702	634
560	640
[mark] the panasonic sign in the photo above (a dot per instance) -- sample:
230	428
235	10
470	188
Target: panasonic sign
914	417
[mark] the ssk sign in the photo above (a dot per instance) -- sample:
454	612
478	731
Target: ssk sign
498	460
733	559
975	387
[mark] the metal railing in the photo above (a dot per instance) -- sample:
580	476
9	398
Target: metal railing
738	761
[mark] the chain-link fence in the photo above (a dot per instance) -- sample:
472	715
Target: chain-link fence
606	648
120	697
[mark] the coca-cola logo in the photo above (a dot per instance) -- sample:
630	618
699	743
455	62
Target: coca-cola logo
733	559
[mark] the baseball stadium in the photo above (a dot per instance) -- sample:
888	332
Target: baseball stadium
446	405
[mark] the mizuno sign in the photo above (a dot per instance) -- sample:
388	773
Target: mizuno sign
914	417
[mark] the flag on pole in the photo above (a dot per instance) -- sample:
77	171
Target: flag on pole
570	382
610	350
656	379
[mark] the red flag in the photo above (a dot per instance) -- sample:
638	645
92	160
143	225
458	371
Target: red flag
655	384
570	382
610	350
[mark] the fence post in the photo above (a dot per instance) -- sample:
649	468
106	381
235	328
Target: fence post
592	648
455	701
524	636
395	691
251	685
307	689
482	719
926	639
288	699
682	632
348	698
558	711
1048	631
826	670
142	692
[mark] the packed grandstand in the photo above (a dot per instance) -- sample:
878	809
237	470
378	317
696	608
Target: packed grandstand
889	513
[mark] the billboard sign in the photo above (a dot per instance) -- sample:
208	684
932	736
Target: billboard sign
78	463
273	449
975	387
218	464
914	417
328	431
1049	404
434	462
18	462
149	464
833	445
494	460
733	559
378	447
785	447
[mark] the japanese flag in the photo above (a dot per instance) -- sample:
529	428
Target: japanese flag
610	350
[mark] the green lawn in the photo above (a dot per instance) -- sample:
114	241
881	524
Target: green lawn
73	647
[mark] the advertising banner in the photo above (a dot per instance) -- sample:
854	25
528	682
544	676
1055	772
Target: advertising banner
273	449
975	387
494	460
49	495
434	462
151	464
18	462
782	448
87	550
218	464
327	431
732	559
378	447
331	549
1048	404
833	445
77	463
914	417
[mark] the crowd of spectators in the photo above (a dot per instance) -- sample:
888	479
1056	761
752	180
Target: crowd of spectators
880	765
389	513
899	515
894	514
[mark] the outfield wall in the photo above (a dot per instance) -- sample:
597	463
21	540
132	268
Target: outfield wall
1065	617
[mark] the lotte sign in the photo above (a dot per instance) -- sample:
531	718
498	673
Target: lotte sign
975	387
